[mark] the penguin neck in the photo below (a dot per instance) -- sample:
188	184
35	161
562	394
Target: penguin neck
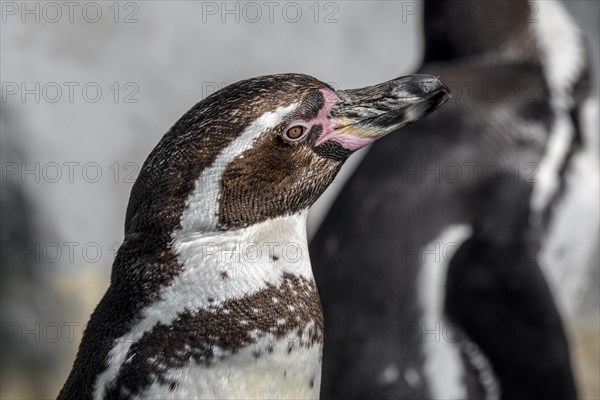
225	265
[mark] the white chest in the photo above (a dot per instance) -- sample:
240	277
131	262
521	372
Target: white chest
241	320
275	374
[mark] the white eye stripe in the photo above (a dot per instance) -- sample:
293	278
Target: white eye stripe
200	214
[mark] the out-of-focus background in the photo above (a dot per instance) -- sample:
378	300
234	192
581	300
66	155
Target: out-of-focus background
88	89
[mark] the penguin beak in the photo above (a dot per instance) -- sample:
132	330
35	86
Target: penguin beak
367	114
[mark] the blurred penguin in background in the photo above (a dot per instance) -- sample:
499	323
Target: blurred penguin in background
451	257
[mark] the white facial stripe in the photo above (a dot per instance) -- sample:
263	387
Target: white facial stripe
443	363
200	214
561	43
203	256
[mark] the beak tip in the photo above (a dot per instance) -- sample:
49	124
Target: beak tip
373	112
438	92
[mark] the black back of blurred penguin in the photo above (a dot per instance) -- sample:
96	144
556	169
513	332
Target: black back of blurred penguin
445	292
211	292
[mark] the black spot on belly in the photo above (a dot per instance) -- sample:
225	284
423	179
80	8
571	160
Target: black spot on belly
172	386
223	275
229	326
275	258
311	384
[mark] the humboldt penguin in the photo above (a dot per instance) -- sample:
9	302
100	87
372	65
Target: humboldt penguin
433	260
211	292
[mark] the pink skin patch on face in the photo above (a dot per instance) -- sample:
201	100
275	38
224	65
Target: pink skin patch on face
329	124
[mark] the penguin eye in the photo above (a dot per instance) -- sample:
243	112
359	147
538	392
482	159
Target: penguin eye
295	133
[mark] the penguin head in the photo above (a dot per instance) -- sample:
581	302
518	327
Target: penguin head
267	147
